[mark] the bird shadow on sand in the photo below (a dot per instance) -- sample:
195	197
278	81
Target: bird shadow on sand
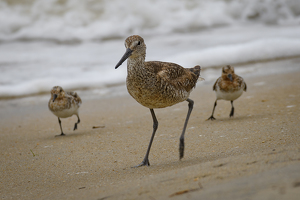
76	134
239	118
178	164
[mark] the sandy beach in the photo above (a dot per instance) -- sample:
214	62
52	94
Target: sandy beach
254	155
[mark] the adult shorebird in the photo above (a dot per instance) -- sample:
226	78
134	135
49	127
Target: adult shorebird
64	104
228	87
157	84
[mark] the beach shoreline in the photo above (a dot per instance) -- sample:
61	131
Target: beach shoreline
257	150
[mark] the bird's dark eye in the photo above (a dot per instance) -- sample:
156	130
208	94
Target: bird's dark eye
60	90
139	43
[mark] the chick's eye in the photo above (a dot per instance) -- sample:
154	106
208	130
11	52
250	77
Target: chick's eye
139	43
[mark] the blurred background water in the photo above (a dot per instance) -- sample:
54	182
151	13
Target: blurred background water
76	44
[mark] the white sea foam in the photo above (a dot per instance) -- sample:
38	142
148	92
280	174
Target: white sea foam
257	50
76	44
73	20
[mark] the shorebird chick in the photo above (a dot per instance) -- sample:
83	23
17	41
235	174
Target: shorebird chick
156	84
64	104
228	87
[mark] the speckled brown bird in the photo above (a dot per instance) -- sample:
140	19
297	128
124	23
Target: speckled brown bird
228	87
156	84
64	104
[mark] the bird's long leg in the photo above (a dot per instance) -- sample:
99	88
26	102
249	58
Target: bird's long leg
181	144
75	126
62	133
155	125
232	110
212	115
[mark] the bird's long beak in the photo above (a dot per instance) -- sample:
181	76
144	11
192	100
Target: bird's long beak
230	77
54	97
125	56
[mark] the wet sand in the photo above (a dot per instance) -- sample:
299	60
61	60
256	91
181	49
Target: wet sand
255	155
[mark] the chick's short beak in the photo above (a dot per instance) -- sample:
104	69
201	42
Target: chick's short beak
54	97
230	77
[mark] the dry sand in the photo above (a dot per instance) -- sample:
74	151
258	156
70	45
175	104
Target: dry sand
255	155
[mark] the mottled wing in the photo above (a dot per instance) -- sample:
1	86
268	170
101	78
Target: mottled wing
242	83
215	85
174	74
49	104
245	88
196	70
75	96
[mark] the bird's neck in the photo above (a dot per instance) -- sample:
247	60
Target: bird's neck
135	63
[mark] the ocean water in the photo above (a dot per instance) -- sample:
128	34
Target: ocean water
76	44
